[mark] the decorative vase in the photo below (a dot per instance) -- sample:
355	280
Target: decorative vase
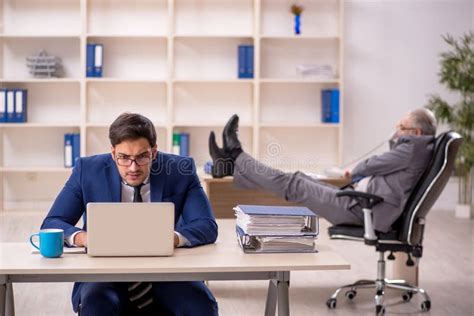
297	24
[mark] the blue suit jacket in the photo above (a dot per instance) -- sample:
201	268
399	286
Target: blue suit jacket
172	179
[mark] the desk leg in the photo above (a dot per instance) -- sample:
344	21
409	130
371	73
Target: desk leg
3	299
283	295
270	306
9	304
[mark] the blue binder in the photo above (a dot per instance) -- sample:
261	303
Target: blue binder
3	105
242	67
330	106
90	60
184	144
76	148
68	158
98	59
10	106
249	61
20	107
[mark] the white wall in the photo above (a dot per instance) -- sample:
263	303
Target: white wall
391	61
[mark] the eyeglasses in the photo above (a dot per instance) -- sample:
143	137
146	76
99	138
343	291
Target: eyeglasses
402	128
140	160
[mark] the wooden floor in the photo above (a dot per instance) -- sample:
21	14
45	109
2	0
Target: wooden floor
446	273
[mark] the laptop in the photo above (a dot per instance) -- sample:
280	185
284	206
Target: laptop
130	229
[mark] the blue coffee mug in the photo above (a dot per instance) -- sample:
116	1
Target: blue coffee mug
51	242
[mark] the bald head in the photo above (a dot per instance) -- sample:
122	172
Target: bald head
424	120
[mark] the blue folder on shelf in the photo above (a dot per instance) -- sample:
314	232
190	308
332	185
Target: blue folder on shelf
330	106
20	107
10	106
184	144
3	105
98	59
90	60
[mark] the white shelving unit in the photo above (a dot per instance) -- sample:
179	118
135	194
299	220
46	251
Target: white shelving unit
174	61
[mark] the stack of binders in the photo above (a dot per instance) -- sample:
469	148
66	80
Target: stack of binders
245	61
13	105
181	144
72	149
273	229
94	61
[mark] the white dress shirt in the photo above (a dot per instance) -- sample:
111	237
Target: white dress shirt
127	196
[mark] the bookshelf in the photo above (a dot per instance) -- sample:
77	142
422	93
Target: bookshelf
174	61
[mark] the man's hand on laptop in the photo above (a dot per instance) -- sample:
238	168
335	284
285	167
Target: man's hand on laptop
80	240
176	240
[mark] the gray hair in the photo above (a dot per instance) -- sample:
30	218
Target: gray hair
425	120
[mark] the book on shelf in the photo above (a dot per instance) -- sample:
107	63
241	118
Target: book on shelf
94	60
245	61
330	105
181	144
263	228
13	105
72	149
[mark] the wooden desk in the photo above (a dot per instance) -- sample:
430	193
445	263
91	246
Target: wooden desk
224	196
223	260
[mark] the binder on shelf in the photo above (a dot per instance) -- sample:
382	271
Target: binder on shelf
176	141
20	107
249	61
245	61
68	150
98	59
76	148
3	105
90	60
242	67
330	106
10	106
72	149
184	144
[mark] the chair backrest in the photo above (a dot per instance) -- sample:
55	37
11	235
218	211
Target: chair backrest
428	188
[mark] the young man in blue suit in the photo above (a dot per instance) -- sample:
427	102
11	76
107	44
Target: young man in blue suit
136	172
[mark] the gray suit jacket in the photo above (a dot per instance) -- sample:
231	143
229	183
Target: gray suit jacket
394	174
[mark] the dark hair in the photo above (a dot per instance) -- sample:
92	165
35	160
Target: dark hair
132	126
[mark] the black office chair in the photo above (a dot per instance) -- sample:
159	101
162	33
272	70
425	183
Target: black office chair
407	233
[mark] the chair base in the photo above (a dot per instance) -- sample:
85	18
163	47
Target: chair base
380	285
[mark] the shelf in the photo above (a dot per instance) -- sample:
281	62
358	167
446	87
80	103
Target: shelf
211	17
126	80
16	50
35	169
209	58
40	80
134	17
210	36
300	37
299	125
38	125
134	57
41	17
158	125
40	36
219	124
300	80
214	81
125	36
319	18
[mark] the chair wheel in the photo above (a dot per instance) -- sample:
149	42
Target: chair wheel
407	296
351	294
426	306
379	310
331	303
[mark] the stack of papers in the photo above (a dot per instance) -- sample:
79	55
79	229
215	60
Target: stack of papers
317	71
276	228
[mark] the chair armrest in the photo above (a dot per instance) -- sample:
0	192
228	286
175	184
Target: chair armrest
366	201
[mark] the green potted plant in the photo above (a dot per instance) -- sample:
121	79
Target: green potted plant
457	74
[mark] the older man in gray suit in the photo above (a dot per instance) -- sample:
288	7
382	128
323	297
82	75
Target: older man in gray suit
391	175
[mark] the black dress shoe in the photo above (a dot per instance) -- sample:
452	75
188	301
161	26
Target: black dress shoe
229	136
223	164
